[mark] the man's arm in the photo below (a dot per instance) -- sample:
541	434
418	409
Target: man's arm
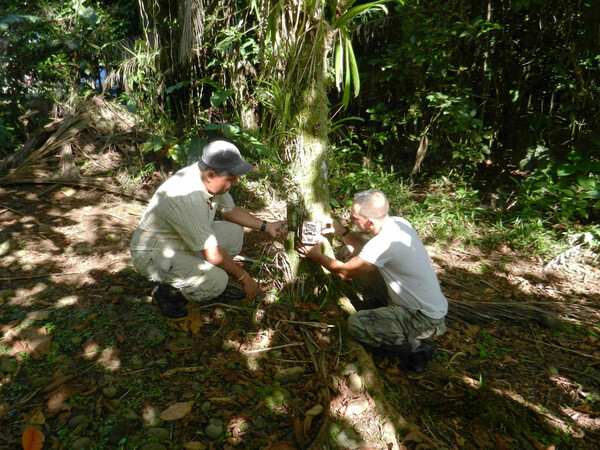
220	258
350	240
346	271
245	219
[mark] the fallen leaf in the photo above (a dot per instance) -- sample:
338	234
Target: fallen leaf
315	410
119	337
585	409
414	436
58	380
5	328
471	331
501	443
35	341
177	411
38	315
508	360
281	446
33	439
539	446
195	321
35	417
58	397
194	445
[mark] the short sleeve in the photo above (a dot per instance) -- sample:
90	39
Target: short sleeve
375	253
225	202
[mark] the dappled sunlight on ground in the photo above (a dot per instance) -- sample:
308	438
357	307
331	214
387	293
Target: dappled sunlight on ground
85	354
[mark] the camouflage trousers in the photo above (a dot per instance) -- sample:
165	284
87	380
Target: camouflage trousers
393	325
376	325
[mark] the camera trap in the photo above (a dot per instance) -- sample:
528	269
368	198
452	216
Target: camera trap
310	232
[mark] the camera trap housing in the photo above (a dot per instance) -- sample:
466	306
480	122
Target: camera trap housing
310	232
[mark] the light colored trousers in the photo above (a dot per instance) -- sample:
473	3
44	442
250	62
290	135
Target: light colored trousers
197	279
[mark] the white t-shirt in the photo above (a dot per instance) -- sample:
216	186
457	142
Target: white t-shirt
403	261
180	214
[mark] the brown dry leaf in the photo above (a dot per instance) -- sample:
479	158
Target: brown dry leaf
539	446
414	436
57	397
35	341
586	409
195	321
460	441
177	411
508	360
119	336
471	331
35	417
183	324
501	443
85	323
306	424
91	347
38	315
9	326
58	381
33	439
194	445
281	446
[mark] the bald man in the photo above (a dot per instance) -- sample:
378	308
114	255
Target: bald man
415	307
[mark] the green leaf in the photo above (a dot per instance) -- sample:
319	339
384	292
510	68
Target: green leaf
176	86
346	96
218	97
7	21
592	194
131	106
194	149
353	69
333	202
586	182
564	170
339	55
352	13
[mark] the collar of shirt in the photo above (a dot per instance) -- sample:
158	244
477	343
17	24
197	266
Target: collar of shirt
210	199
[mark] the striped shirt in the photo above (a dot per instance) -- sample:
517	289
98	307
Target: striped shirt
180	214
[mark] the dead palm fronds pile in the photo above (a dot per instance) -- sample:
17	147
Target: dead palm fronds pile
548	314
84	134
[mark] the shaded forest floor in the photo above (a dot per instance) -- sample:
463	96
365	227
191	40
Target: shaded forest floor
87	358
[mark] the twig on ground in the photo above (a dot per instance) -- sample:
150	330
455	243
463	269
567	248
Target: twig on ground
567	349
308	324
168	373
11	210
260	350
224	305
29	277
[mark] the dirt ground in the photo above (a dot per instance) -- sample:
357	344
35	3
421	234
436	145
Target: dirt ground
89	361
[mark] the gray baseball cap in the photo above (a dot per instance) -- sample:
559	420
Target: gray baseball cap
225	156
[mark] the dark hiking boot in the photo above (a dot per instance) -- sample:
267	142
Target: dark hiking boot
170	301
232	292
418	359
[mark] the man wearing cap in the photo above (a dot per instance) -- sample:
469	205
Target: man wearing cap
180	246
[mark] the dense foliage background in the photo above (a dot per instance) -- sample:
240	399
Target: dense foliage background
497	101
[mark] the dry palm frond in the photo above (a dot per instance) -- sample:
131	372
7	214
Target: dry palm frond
94	127
30	155
470	312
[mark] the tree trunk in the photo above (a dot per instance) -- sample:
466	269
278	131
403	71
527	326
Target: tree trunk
306	153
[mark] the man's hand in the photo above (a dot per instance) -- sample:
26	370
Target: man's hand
309	251
250	287
276	229
332	226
